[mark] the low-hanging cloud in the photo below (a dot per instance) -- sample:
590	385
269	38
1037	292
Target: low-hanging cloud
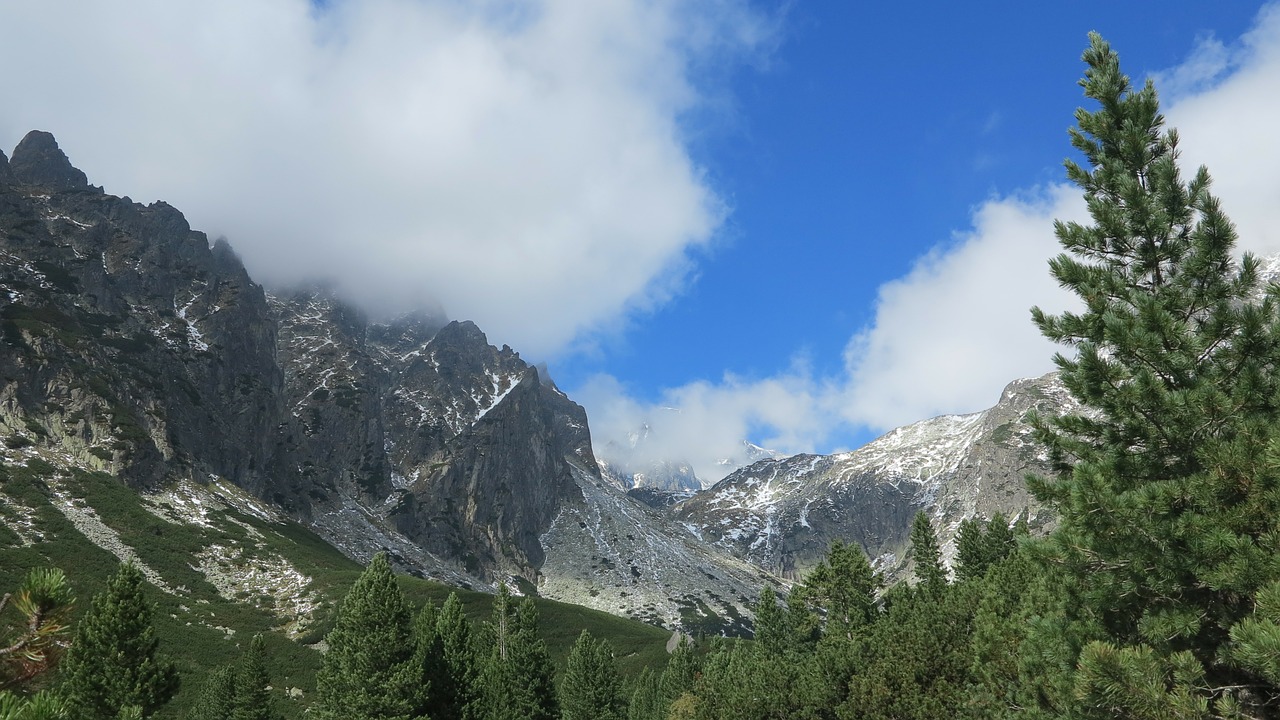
952	332
521	163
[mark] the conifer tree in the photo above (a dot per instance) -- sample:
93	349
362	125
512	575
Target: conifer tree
454	695
252	699
843	588
926	556
35	643
981	545
367	672
43	705
1167	498
217	698
591	688
771	631
428	664
114	661
518	680
646	701
681	672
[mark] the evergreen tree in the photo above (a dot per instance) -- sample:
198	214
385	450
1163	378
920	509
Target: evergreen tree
980	545
926	556
34	643
517	682
113	662
843	589
367	672
217	699
252	699
646	698
454	695
428	664
772	633
681	673
1167	497
41	706
591	688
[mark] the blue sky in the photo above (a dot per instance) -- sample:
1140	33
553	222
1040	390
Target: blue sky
800	224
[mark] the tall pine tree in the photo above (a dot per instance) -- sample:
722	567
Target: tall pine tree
518	680
591	688
367	673
114	661
1167	494
455	692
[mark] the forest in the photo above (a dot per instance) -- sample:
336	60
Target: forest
1155	595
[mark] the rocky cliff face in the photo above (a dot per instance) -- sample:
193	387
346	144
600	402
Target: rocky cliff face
131	344
127	338
782	514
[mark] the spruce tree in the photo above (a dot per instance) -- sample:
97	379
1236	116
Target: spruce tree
114	661
591	688
367	672
771	631
1166	494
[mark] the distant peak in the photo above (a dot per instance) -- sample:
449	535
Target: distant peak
6	175
39	161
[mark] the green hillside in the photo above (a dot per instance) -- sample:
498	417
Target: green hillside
276	577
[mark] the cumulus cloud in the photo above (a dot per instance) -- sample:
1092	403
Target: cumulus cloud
951	333
520	162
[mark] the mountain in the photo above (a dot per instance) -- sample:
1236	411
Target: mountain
133	346
782	514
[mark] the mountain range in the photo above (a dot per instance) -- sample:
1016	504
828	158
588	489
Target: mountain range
132	345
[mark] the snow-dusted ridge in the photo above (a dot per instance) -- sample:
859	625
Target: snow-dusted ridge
782	514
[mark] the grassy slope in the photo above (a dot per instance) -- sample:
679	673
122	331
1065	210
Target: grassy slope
190	623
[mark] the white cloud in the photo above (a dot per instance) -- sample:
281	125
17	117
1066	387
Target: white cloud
952	332
522	163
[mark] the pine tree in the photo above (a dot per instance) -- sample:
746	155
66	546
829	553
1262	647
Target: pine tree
772	633
518	680
454	695
252	699
113	662
843	589
680	674
35	643
367	672
428	663
926	556
41	706
591	688
646	701
217	698
1167	497
980	545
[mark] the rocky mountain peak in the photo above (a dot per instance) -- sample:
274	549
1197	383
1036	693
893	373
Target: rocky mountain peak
39	161
6	175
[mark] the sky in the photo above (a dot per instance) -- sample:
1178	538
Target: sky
795	223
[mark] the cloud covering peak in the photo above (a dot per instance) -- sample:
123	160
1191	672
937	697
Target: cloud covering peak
520	163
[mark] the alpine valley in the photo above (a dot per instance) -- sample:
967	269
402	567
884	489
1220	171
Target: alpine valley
140	364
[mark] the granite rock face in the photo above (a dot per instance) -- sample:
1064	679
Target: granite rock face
127	338
131	344
783	514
